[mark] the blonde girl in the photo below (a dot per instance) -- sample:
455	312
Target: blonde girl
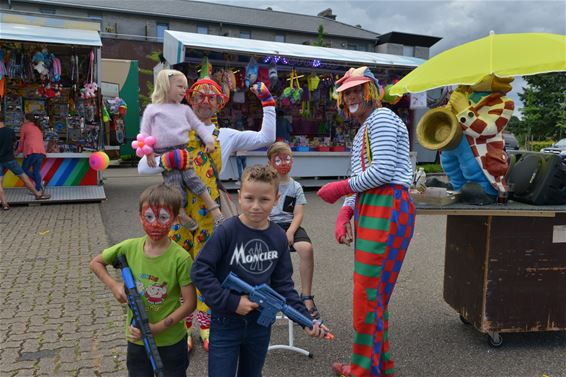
170	122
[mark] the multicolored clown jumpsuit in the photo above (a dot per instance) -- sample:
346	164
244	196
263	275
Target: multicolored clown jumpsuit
384	222
194	241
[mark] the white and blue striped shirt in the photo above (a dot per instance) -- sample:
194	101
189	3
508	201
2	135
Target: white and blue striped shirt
389	144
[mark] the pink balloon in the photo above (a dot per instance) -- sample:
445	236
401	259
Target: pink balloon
135	144
139	152
150	140
140	137
147	149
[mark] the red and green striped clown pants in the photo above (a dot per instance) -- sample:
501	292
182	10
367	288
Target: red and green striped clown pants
384	223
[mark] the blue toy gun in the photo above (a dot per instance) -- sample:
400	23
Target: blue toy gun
269	301
140	319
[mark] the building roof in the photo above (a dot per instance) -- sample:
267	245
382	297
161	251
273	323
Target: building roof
175	42
407	39
211	12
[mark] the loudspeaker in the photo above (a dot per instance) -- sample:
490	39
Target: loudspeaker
537	178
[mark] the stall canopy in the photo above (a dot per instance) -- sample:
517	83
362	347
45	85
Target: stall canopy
175	44
28	29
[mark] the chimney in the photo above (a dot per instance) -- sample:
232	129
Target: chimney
327	13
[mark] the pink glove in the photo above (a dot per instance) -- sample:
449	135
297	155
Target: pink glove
333	191
263	94
342	219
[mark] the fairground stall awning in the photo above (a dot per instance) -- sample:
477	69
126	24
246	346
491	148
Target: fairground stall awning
37	29
175	44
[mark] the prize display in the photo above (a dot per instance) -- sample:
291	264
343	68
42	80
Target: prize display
57	84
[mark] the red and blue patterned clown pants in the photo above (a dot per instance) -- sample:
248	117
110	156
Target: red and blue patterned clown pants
384	223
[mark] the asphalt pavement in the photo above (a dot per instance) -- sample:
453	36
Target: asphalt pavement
59	320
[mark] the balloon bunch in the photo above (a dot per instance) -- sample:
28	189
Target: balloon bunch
143	145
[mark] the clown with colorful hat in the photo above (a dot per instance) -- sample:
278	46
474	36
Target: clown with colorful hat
378	194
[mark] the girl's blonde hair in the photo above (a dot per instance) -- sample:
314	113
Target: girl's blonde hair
163	84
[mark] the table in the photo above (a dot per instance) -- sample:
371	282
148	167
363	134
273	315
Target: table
505	266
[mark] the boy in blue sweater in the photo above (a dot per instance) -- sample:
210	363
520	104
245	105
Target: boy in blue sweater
257	251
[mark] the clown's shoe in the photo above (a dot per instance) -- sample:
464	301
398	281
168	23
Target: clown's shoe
204	336
342	370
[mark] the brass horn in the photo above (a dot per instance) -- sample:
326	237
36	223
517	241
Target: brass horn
439	129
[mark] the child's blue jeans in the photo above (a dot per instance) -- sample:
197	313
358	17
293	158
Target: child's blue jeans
175	360
34	161
237	343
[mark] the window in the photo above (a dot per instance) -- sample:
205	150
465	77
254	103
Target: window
352	46
245	34
280	38
94	16
47	10
160	30
408	50
202	29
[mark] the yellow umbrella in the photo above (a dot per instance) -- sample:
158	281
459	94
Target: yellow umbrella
504	55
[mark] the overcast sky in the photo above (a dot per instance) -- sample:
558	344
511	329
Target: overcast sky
455	21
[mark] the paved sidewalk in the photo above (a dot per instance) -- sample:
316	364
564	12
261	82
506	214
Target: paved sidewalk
57	319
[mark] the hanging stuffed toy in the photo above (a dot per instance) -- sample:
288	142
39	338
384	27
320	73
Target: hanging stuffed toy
263	76
273	77
251	72
90	87
293	93
56	69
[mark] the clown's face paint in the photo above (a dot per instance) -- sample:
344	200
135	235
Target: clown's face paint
156	221
282	162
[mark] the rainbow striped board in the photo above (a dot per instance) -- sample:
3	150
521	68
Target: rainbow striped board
65	169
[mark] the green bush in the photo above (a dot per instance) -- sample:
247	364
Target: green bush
536	146
431	168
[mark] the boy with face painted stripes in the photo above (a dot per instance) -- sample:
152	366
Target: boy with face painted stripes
288	214
161	270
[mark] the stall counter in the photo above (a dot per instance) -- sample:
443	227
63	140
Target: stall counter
505	266
61	169
306	164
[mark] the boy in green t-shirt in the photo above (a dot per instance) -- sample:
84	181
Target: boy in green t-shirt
161	271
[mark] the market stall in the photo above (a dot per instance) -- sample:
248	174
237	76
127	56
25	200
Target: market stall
301	78
50	69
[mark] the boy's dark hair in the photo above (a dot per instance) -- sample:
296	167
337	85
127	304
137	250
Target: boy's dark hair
261	173
279	147
161	194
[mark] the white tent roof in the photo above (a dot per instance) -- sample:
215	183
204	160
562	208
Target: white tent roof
46	34
175	43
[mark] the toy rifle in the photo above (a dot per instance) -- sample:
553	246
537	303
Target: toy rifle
269	301
140	318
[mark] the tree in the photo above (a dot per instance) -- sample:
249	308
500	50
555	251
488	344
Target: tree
145	95
544	111
321	34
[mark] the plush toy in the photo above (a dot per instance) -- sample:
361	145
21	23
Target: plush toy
89	90
143	145
273	77
98	161
56	69
483	112
251	72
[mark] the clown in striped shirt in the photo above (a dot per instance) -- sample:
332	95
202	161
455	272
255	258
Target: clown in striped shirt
378	195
